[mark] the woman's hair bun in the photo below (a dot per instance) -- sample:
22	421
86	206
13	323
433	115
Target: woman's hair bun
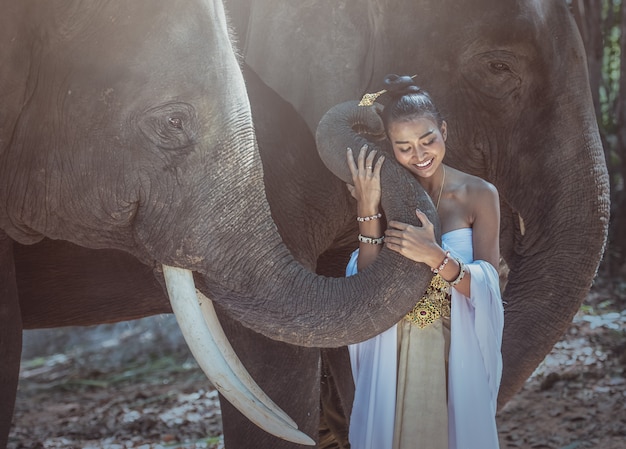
398	86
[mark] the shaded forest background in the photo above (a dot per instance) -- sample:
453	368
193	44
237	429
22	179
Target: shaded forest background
602	25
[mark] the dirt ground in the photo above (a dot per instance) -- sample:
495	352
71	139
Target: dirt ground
90	396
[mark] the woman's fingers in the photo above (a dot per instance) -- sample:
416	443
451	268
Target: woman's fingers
351	164
365	170
379	165
364	165
361	159
423	218
369	161
398	225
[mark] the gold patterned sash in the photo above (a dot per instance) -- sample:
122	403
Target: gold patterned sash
434	304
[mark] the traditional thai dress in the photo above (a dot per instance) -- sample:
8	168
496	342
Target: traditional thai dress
431	381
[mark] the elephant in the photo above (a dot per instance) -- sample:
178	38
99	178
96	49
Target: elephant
120	115
510	78
131	166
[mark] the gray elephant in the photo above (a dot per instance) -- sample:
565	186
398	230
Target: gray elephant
510	77
126	142
128	159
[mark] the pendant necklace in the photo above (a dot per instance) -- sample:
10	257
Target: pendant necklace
441	188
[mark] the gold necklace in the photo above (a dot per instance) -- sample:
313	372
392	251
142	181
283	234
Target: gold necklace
441	188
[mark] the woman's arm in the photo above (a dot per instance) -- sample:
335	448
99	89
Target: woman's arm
485	235
366	190
486	227
419	244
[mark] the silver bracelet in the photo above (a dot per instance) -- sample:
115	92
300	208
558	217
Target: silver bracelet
371	240
461	273
371	217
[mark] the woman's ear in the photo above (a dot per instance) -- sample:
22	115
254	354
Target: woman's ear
444	130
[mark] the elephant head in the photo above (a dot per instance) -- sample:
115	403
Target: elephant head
510	78
126	125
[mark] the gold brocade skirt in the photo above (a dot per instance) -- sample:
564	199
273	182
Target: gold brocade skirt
421	399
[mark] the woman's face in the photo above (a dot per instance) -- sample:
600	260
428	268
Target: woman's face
418	144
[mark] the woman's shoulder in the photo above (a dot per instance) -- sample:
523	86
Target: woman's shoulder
475	186
481	189
479	197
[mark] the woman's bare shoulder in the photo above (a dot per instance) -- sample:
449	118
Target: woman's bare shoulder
481	188
475	186
480	198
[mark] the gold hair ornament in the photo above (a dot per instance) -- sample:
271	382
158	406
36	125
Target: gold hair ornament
369	99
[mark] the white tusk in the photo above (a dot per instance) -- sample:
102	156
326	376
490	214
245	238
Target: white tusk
214	326
522	226
241	392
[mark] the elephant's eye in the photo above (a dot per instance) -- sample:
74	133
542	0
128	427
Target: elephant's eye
176	122
499	67
495	73
170	126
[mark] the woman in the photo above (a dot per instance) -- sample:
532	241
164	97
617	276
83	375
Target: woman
431	381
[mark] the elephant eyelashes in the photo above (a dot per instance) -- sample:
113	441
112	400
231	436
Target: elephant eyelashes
171	126
496	74
175	122
499	67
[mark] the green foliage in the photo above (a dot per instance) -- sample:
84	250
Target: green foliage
611	65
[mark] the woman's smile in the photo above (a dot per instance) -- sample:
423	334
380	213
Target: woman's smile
418	144
424	165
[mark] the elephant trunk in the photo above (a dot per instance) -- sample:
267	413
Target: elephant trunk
345	126
558	243
284	301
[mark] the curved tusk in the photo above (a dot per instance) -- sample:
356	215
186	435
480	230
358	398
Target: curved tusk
214	326
241	392
522	226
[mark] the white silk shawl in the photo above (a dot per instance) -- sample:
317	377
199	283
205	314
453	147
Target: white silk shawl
475	363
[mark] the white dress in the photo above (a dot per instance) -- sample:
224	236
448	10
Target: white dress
474	370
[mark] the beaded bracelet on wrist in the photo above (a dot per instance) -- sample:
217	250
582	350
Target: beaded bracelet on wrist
443	264
371	240
371	217
461	275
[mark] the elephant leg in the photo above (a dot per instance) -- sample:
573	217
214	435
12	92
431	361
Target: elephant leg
290	375
10	337
336	398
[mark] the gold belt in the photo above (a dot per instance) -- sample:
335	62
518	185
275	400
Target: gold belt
434	304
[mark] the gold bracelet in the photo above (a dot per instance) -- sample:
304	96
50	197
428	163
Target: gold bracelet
371	240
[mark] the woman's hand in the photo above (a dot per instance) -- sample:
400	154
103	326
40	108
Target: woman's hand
414	242
366	180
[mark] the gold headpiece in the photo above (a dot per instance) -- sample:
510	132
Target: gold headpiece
369	99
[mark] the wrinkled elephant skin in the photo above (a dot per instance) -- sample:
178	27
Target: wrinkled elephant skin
126	132
126	136
510	77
